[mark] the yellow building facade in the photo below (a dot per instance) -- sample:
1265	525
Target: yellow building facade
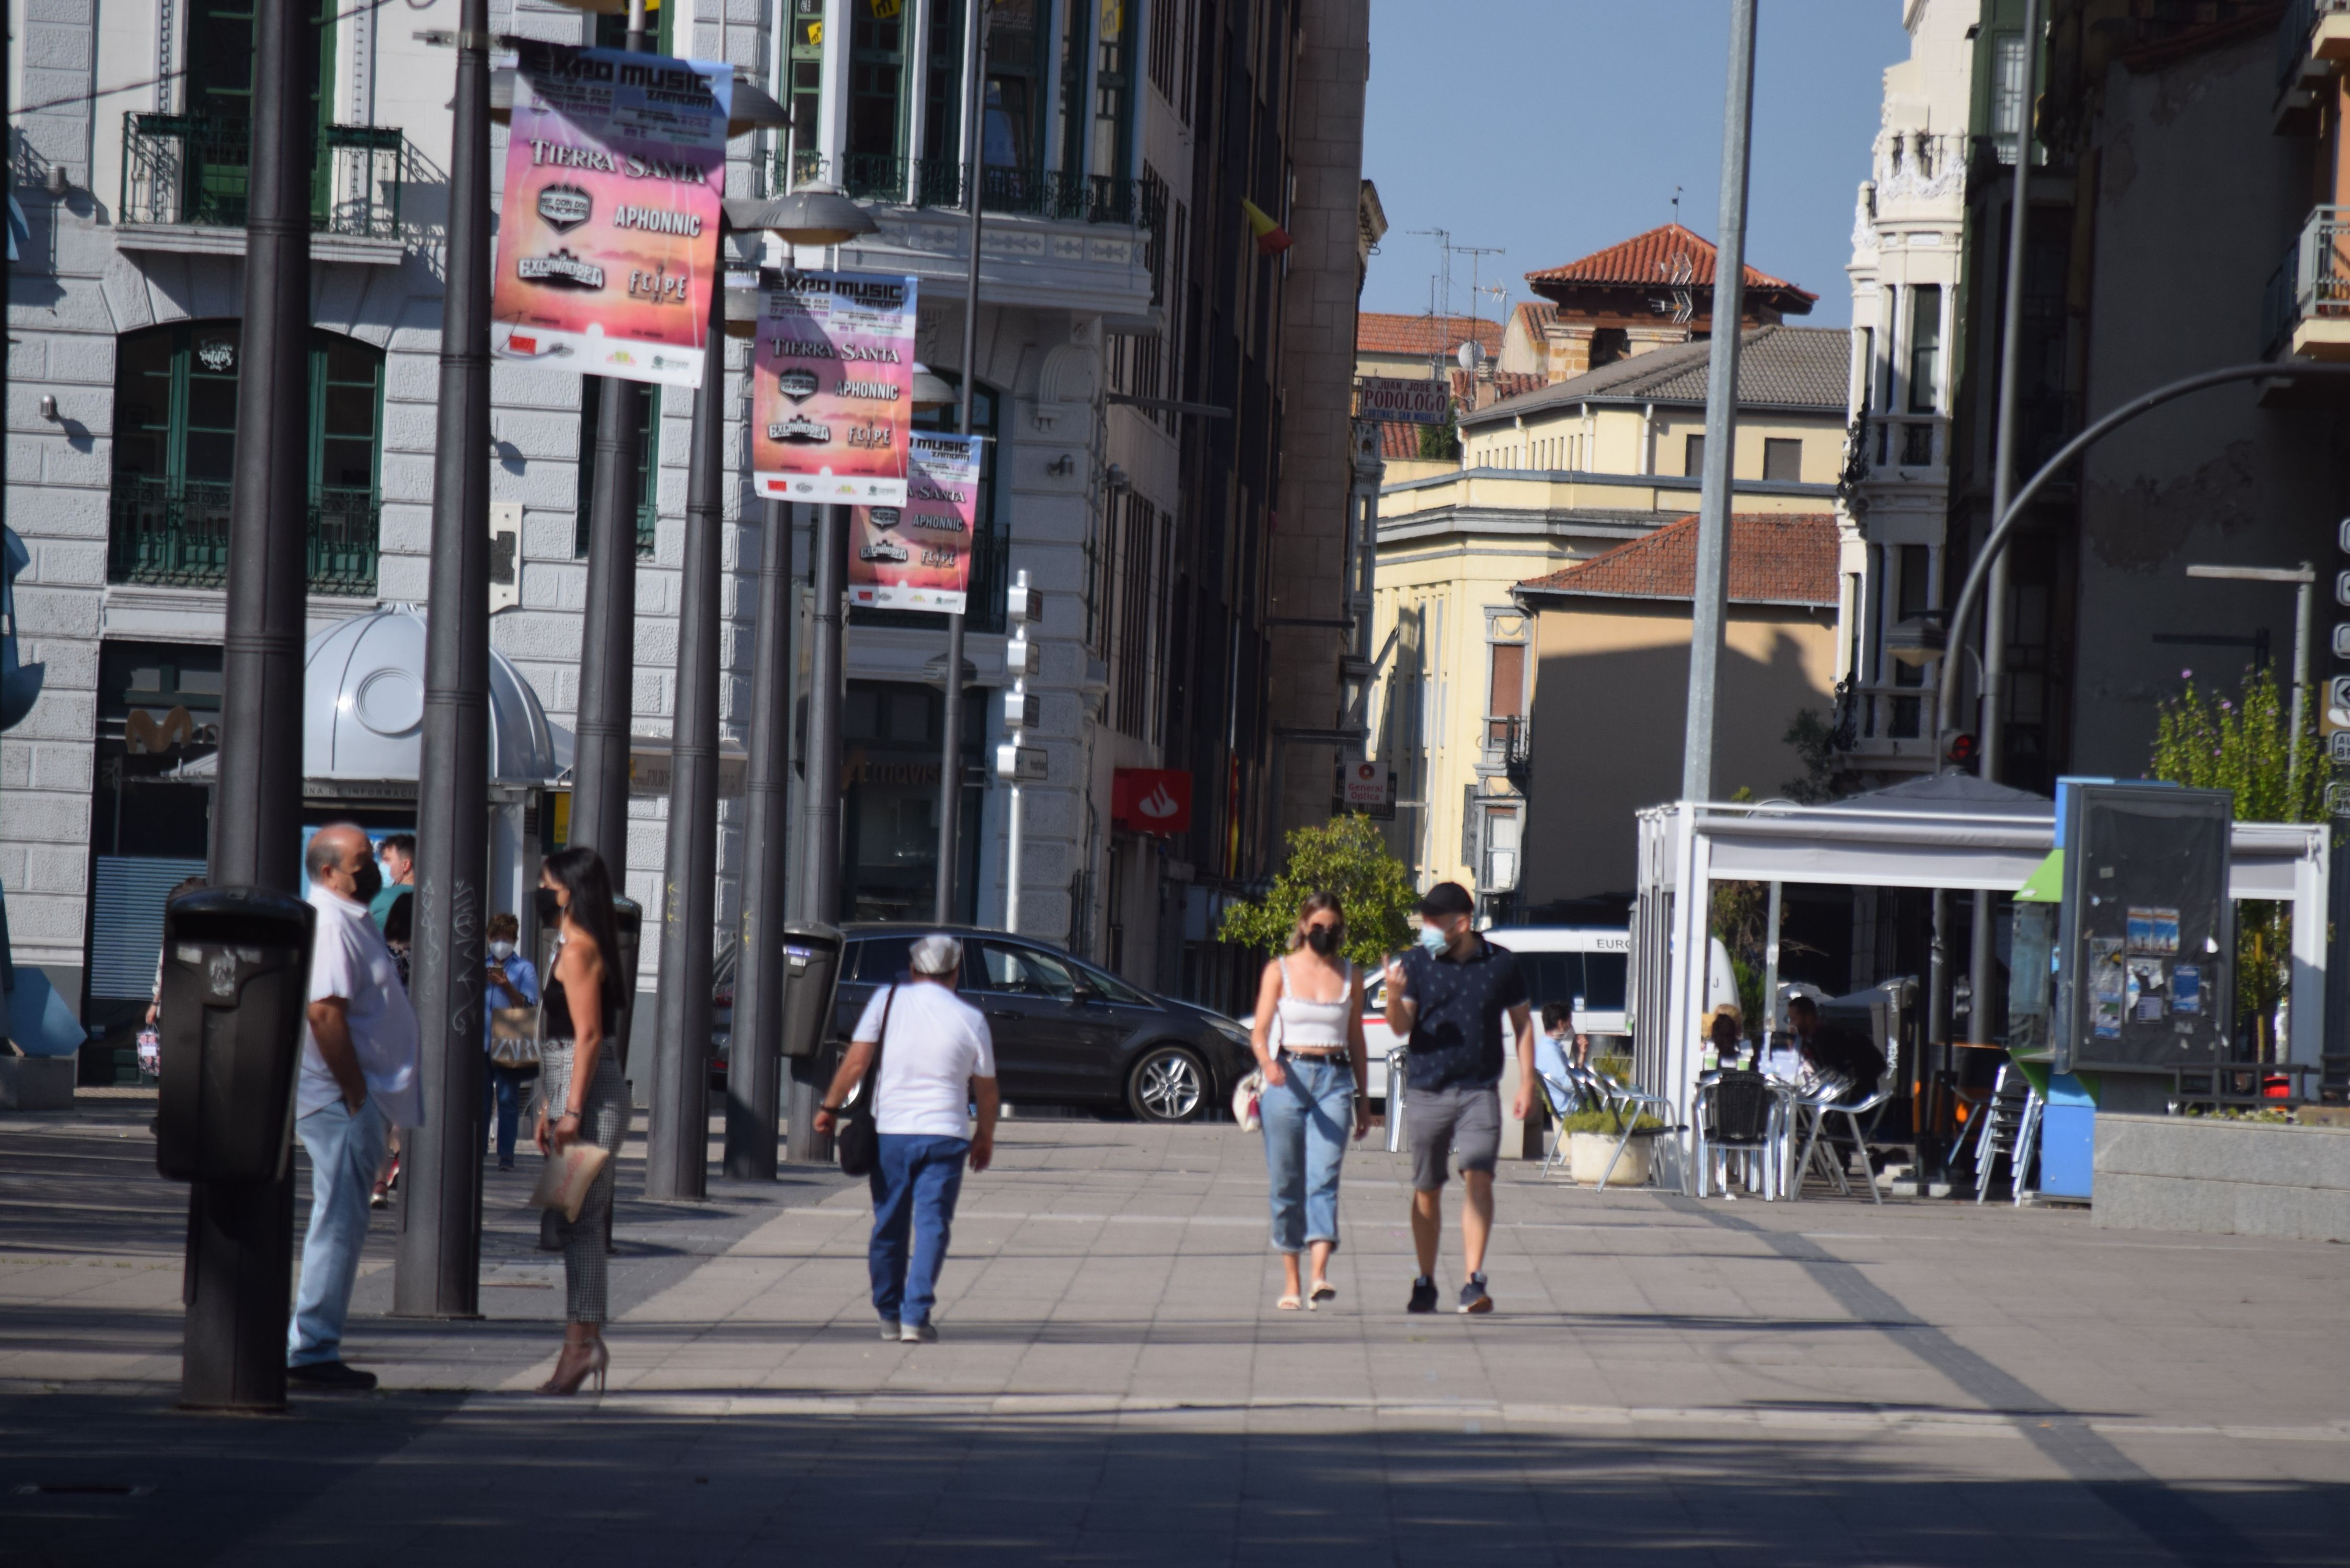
1548	478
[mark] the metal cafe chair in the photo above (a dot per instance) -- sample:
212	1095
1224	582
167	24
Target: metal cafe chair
1817	1107
1736	1115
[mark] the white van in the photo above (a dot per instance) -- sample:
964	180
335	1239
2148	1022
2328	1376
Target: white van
1586	966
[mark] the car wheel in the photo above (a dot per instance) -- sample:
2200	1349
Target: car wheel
1170	1084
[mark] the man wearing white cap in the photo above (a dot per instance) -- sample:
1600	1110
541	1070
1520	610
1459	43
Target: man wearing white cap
936	1062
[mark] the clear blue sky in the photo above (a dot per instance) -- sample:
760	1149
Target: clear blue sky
1554	128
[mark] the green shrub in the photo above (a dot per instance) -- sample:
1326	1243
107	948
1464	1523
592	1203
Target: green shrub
1608	1122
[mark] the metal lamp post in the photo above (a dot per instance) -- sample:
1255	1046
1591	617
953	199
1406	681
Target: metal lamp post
975	56
241	1234
439	1272
1708	615
677	1161
812	213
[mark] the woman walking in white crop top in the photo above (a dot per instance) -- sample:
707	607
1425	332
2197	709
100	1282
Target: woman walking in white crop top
1309	1046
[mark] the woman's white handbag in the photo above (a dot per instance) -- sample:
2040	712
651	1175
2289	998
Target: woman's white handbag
1246	1096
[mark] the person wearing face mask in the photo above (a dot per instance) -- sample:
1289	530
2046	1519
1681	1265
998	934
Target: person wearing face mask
358	1081
513	983
1309	1040
1448	1000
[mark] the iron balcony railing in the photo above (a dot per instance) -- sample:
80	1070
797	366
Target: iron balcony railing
1908	441
174	533
193	168
1509	740
2312	282
939	182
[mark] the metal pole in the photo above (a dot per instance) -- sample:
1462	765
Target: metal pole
1771	965
677	1157
1012	825
752	1086
820	793
241	1234
440	1256
608	652
2304	616
1706	610
823	868
1983	960
974	23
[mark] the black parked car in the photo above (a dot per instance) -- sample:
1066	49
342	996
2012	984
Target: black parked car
1065	1033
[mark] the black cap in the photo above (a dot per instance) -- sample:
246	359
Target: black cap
1447	898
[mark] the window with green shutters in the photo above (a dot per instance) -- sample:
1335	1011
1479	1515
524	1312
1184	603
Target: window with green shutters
175	456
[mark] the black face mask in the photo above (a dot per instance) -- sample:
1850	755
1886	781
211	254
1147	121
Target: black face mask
549	907
366	881
1323	939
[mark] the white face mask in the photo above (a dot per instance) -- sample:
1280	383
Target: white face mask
501	951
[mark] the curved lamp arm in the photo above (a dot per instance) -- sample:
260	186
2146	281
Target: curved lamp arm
1947	698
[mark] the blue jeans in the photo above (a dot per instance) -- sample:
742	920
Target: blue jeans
346	1149
1306	1124
503	1089
915	1183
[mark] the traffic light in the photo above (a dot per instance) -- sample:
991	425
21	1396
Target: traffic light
1960	748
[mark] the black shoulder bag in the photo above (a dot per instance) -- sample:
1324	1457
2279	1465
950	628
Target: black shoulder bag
856	1143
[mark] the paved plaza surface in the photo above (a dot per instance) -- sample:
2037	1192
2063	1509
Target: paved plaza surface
1664	1381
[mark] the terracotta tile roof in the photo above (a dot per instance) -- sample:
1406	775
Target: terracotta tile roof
1379	333
1399	441
1653	259
1505	384
1774	559
1532	315
1793	367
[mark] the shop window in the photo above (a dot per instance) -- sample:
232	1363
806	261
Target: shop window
890	735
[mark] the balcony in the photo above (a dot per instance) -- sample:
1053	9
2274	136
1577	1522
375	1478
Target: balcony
174	533
2306	312
185	178
938	183
1509	743
1896	443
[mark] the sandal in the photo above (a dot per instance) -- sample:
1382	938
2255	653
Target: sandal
1287	1303
1323	1291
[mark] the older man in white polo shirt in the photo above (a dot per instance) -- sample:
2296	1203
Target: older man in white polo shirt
358	1083
937	1061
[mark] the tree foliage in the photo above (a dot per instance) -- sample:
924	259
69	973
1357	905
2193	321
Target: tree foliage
1347	857
2244	744
1441	440
1827	771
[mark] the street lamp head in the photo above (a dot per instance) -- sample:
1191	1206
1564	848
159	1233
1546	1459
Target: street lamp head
811	213
931	390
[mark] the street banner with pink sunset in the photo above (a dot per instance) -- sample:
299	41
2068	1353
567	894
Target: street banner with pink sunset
832	388
608	239
917	556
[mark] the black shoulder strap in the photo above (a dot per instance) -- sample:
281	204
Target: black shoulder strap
880	1039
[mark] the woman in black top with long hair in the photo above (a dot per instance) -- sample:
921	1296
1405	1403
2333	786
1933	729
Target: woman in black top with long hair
581	1096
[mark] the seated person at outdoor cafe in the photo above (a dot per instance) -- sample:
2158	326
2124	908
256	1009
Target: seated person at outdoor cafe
1558	1046
1722	1032
1830	1052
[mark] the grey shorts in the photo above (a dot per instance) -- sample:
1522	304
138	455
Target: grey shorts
1463	1121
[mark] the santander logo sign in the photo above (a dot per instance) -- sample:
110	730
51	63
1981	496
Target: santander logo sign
1156	801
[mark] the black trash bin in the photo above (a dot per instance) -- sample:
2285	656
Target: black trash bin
236	978
811	972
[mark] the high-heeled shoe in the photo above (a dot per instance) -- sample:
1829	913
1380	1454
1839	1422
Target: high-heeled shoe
570	1373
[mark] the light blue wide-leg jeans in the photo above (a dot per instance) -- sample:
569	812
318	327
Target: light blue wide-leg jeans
346	1149
1307	1122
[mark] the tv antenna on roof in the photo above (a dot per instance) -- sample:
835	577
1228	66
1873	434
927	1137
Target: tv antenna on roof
1677	205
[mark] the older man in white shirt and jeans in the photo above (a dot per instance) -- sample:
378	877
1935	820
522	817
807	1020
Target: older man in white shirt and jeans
938	1061
358	1083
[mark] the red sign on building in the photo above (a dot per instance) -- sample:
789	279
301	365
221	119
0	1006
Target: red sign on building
1151	800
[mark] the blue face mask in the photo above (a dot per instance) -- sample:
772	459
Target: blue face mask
1433	939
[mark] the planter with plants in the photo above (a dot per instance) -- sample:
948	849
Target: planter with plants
1591	1139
